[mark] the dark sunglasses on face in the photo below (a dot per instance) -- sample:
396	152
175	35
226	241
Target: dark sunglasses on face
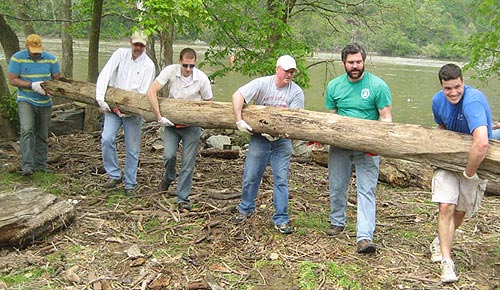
188	65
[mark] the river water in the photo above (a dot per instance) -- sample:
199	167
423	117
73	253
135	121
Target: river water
412	81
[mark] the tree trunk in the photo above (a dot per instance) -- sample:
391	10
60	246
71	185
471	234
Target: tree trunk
8	39
167	41
67	41
91	112
95	28
439	148
29	215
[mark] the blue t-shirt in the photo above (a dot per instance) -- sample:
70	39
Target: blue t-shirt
361	99
470	112
27	69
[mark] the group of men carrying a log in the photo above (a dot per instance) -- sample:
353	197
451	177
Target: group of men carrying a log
357	93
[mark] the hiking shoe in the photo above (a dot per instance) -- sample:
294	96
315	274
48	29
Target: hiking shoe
26	172
184	206
435	249
112	183
334	230
241	217
283	228
366	247
163	186
448	271
130	192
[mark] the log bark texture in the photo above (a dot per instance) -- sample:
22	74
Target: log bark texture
29	215
431	146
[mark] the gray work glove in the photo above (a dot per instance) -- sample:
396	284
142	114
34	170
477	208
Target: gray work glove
243	126
38	88
103	105
165	122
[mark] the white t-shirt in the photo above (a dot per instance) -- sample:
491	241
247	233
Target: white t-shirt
263	91
195	87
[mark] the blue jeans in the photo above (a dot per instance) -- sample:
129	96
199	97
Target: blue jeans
190	137
496	134
261	152
132	130
340	162
34	135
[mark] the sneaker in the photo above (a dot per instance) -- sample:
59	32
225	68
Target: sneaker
448	271
112	183
26	172
130	192
366	247
435	249
184	206
283	228
241	217
334	230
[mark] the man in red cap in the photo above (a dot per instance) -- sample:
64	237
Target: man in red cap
27	70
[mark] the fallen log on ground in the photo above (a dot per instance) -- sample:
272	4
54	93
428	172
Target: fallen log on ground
431	146
29	215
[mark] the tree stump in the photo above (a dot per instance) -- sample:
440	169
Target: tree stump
29	215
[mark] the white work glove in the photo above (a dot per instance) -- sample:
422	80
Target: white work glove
473	189
243	126
38	88
165	122
103	105
269	137
474	177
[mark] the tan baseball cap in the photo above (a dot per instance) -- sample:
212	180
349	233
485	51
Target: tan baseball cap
34	43
139	37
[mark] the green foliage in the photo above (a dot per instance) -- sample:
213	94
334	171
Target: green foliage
483	46
8	106
159	15
257	34
29	274
312	273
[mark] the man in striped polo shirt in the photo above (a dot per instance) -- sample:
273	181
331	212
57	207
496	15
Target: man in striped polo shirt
27	70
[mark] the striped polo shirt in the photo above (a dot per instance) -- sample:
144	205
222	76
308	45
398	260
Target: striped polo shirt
30	70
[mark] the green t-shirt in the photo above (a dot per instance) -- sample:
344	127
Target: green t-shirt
361	99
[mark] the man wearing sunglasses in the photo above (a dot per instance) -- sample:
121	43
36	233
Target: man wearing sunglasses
129	69
183	81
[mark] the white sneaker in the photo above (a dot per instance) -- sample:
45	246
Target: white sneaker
448	271
435	249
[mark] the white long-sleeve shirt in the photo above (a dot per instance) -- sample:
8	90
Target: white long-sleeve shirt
122	72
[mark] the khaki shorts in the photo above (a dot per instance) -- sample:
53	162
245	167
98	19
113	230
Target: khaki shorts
451	187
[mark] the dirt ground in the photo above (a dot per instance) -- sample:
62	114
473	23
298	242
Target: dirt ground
118	242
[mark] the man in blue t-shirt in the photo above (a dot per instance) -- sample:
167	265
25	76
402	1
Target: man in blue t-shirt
459	108
361	95
27	70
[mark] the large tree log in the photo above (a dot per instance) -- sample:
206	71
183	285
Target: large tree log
435	147
29	215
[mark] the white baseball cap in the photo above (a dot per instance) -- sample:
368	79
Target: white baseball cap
286	62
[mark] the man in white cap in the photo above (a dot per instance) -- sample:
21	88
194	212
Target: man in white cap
128	69
27	70
277	90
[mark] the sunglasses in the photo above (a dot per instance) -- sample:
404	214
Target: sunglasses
188	65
